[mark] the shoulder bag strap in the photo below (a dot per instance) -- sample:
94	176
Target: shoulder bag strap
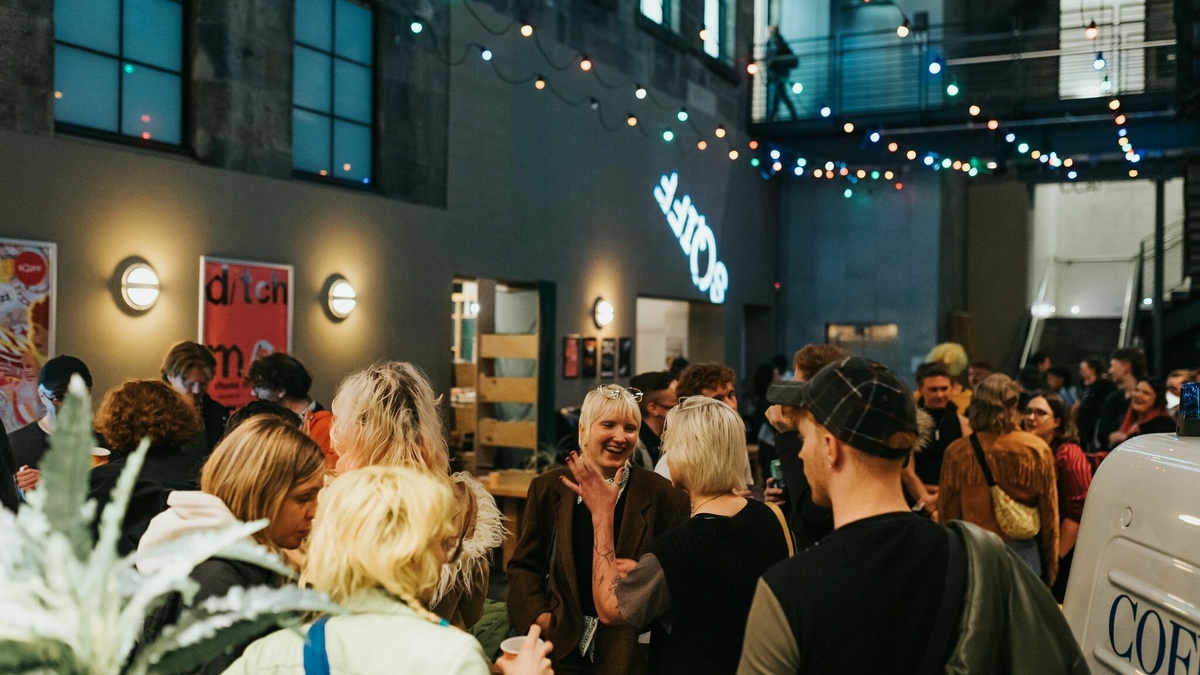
987	473
787	533
945	633
316	659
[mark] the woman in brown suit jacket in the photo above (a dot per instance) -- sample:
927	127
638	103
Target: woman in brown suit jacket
550	573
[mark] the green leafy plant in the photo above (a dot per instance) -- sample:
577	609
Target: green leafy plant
70	604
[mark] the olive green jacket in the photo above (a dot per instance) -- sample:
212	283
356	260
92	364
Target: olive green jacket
1010	623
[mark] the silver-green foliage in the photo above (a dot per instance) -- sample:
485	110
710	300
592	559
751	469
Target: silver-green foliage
70	605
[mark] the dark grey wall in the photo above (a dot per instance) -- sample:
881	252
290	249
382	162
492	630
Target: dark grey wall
997	276
872	258
534	189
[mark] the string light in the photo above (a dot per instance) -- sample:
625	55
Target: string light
702	145
1114	104
993	125
861	174
893	146
594	103
899	186
720	132
752	68
797	88
486	54
911	154
829	166
585	64
799	171
952	89
526	30
1120	119
416	27
1091	31
902	30
1133	173
539	83
1072	175
682	115
640	92
1010	137
817	173
848	193
826	111
1106	86
1099	62
777	166
848	127
874	137
1035	154
1068	162
974	110
704	34
775	154
935	65
1023	148
668	135
753	144
887	175
733	154
631	120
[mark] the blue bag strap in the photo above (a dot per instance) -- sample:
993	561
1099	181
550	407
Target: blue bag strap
316	659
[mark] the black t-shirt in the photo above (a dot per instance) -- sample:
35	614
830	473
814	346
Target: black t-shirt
1091	403
1111	416
864	600
946	430
28	444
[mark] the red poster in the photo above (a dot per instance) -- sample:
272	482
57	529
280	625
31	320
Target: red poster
245	313
27	294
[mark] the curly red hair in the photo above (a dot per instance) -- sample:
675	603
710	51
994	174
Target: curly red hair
140	408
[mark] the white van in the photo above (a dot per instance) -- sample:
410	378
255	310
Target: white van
1133	600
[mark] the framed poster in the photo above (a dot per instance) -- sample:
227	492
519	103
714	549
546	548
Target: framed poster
625	357
608	358
588	369
571	357
28	290
245	313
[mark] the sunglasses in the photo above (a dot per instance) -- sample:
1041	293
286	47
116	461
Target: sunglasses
614	391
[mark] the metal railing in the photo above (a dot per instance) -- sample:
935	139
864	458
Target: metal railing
855	73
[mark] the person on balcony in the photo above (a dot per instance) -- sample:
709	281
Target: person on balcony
780	61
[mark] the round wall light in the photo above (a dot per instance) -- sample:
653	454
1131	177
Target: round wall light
139	284
340	298
602	312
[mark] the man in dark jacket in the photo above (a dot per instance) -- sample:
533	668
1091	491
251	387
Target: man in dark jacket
188	368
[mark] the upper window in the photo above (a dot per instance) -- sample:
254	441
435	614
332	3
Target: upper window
118	66
332	74
718	29
662	12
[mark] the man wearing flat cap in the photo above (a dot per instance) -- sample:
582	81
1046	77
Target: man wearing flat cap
888	590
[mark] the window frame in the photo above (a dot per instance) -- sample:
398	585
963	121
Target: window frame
184	145
372	185
670	27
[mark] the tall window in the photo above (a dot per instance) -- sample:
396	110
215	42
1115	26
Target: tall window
118	66
331	78
718	29
662	12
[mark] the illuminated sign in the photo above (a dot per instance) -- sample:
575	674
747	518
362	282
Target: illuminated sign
695	237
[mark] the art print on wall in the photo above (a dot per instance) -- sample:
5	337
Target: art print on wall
571	357
245	313
625	357
589	358
608	358
28	292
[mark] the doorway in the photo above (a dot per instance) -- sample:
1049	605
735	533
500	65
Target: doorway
671	329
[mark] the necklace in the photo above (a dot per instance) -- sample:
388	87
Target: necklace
697	508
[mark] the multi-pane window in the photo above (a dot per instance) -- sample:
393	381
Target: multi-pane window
118	66
332	79
718	29
662	12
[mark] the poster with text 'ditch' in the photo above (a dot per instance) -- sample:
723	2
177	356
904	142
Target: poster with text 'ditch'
27	296
245	313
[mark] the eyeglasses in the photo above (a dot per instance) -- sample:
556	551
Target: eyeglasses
614	392
1035	412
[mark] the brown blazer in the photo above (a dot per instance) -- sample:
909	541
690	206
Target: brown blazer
652	506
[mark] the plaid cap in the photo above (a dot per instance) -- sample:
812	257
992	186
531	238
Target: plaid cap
859	401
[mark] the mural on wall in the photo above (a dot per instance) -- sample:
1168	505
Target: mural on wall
245	313
27	295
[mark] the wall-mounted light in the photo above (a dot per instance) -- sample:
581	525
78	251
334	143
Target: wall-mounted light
340	298
138	284
602	312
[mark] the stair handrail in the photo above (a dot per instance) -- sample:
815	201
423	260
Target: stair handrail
1036	319
1133	296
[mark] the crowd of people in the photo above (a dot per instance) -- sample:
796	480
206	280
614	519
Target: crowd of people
896	530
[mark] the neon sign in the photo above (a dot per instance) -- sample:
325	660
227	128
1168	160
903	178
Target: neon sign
695	237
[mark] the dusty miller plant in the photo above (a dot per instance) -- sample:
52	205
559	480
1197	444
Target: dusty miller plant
70	604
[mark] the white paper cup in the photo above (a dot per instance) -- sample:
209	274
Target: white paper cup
513	645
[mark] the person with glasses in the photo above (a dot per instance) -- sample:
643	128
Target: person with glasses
550	576
265	468
658	397
387	415
30	442
1046	417
695	585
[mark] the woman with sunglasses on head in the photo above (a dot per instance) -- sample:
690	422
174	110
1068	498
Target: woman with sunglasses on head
550	576
1046	417
386	415
697	582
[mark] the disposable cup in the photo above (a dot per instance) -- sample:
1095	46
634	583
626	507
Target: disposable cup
100	456
513	645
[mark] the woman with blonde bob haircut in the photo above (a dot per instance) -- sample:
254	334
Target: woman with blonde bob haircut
695	586
380	539
550	576
264	469
386	415
1020	463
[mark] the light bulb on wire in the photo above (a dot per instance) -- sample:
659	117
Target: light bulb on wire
902	30
585	64
1091	31
526	30
539	83
416	27
486	54
1106	86
720	132
935	65
682	115
952	89
640	92
1099	63
631	120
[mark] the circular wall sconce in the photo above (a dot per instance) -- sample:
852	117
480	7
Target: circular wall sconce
340	298
138	285
602	312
